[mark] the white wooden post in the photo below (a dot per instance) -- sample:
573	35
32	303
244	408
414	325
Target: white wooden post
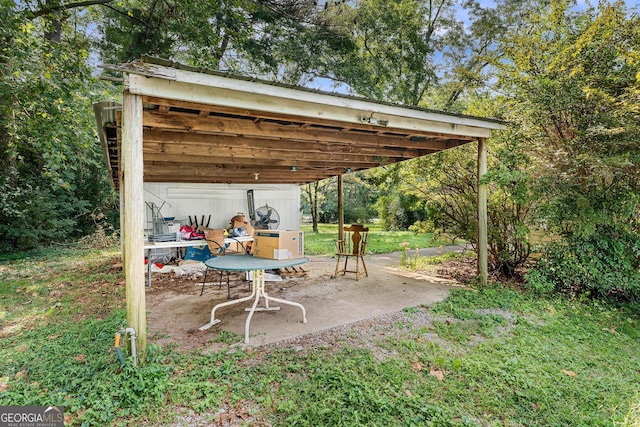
121	201
482	212
133	218
340	210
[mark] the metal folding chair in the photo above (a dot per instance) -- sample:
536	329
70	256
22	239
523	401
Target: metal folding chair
220	247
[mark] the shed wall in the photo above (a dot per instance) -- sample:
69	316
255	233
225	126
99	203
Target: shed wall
222	202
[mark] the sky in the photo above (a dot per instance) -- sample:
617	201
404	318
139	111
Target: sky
580	5
328	85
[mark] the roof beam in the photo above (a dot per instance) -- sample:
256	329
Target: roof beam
232	175
221	179
248	128
230	168
308	122
197	87
249	161
274	150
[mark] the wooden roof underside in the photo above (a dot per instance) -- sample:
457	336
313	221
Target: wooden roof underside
196	142
186	142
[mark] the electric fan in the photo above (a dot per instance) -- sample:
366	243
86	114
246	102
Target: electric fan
267	218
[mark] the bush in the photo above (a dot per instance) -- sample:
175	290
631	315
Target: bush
104	237
399	211
605	263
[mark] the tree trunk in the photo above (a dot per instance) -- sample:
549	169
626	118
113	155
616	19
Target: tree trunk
53	30
312	194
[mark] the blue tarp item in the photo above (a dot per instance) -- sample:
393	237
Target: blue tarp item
198	254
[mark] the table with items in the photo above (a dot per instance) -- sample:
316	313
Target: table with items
150	247
258	267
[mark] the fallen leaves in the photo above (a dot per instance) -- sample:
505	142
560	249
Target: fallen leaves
438	373
569	373
434	372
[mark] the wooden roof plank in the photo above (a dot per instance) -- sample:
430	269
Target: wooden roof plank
203	125
280	150
285	162
181	125
173	83
312	122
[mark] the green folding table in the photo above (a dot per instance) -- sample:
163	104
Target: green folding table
258	267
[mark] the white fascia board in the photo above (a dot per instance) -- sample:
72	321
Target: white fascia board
177	84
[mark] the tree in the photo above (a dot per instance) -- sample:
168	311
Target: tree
320	198
397	209
396	41
51	172
52	176
358	200
447	182
511	204
420	53
574	85
269	38
470	54
316	193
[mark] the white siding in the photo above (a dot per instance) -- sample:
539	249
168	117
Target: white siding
223	201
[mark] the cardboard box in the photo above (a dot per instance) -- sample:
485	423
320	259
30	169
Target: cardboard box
278	244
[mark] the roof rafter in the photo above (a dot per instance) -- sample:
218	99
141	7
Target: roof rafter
211	127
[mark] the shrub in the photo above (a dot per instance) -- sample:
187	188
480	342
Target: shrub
605	263
104	236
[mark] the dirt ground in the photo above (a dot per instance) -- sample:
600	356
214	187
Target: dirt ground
175	309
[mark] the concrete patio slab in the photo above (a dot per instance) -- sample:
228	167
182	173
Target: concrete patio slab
176	312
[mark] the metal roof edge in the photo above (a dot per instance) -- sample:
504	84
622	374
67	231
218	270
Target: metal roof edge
138	67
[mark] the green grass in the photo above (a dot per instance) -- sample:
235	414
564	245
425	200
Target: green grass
380	241
508	358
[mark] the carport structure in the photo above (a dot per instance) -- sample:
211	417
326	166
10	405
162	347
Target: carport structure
182	124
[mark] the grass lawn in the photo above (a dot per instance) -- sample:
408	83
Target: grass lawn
380	241
490	357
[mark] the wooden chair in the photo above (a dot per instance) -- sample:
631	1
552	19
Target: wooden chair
218	247
354	245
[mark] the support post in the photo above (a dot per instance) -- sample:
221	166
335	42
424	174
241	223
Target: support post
121	202
133	217
340	210
482	212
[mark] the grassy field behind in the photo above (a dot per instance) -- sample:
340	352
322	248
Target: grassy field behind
379	242
487	357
